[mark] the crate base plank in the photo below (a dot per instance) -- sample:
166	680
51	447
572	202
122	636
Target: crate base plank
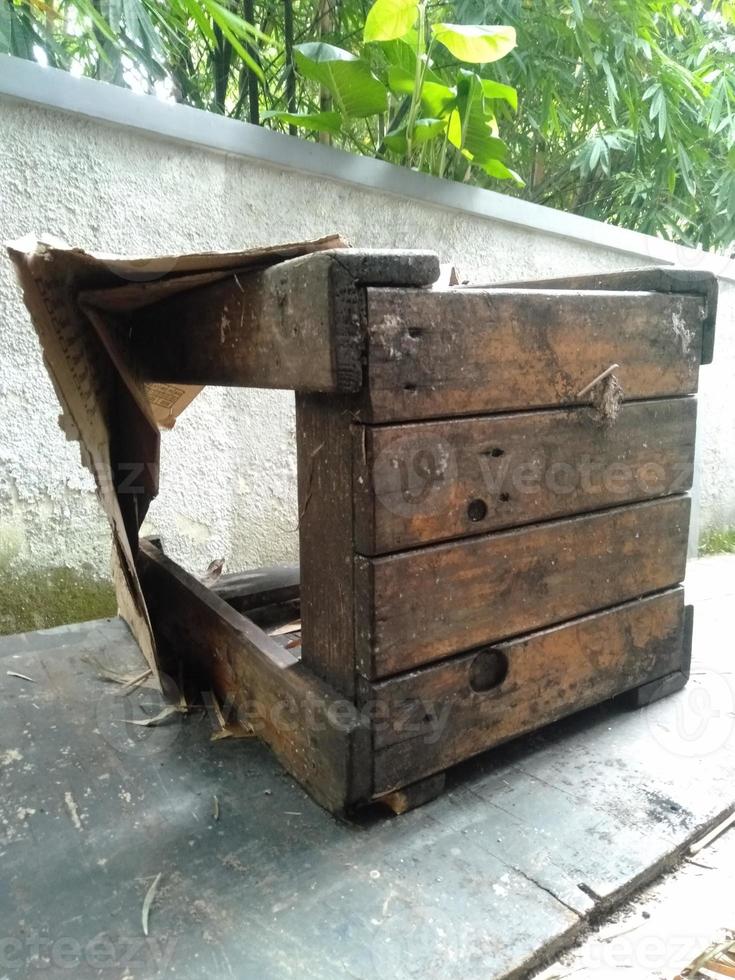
645	694
297	715
430	719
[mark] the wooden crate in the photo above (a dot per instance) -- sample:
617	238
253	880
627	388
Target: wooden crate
481	553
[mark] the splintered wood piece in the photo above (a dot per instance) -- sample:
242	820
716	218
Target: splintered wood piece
415	794
259	587
298	324
302	719
463	352
417	606
419	483
431	719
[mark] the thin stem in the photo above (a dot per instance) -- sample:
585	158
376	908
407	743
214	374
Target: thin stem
443	157
417	81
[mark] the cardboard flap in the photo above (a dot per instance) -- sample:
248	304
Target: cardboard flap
73	297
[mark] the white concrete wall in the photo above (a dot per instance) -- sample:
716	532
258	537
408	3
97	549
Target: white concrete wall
228	469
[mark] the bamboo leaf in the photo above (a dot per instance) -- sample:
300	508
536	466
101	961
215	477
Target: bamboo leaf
6	14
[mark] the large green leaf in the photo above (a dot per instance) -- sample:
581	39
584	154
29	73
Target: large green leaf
497	169
496	90
322	122
476	43
402	51
356	91
390	19
423	131
472	127
436	98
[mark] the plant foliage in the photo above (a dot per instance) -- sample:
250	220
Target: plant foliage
622	110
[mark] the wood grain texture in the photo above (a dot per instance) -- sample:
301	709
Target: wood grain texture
324	447
419	483
463	351
298	324
418	606
432	718
298	716
698	282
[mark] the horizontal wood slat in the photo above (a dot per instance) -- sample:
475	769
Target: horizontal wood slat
424	482
298	324
430	719
698	282
418	606
463	351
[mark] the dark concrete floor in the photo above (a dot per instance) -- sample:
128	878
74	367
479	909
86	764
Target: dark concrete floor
490	879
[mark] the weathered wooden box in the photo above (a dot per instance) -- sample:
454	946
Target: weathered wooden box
484	546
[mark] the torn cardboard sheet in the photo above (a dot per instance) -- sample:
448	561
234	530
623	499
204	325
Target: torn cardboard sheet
73	297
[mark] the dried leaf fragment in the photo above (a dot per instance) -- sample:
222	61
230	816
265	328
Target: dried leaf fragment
148	901
163	715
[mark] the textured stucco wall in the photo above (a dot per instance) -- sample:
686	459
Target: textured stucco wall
228	469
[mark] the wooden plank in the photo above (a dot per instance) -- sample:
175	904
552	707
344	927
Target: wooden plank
464	352
298	324
324	457
424	482
698	282
259	587
433	718
317	736
418	606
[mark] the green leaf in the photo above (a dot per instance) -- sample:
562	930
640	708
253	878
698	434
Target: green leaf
226	19
497	169
435	97
471	127
390	19
356	91
496	90
6	13
475	43
402	52
322	122
234	28
424	130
